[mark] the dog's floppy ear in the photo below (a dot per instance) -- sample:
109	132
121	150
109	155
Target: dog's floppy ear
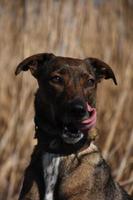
34	63
101	69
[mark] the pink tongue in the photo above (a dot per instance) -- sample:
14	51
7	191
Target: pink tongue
89	123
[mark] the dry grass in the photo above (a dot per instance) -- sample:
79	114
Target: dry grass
71	28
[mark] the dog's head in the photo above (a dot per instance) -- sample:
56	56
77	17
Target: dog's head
67	89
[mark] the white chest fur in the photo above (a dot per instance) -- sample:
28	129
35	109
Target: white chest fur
50	169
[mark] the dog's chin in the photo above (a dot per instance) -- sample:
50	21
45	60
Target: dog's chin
71	136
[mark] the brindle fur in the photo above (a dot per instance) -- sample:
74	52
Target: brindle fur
82	175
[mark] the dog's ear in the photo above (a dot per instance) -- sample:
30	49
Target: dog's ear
34	63
101	69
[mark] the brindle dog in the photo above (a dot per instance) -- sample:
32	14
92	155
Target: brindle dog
65	164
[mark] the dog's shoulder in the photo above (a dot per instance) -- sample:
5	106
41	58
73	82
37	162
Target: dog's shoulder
33	184
89	169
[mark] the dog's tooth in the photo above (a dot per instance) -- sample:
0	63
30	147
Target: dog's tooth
65	128
79	131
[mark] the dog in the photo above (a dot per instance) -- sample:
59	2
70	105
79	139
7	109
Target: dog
66	164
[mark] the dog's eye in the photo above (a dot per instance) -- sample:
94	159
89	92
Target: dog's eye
90	82
56	79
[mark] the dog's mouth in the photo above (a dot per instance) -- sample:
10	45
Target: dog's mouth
71	134
74	132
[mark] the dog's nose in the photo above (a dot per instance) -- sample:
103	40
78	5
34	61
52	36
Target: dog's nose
78	110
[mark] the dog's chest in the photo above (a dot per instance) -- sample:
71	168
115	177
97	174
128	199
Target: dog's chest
50	170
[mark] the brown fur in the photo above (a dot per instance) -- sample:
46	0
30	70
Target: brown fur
65	85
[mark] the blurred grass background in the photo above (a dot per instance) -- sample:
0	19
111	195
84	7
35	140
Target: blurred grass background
76	28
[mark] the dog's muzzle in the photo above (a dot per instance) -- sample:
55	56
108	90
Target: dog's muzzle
73	133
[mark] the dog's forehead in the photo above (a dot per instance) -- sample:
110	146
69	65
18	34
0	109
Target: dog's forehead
66	61
60	63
